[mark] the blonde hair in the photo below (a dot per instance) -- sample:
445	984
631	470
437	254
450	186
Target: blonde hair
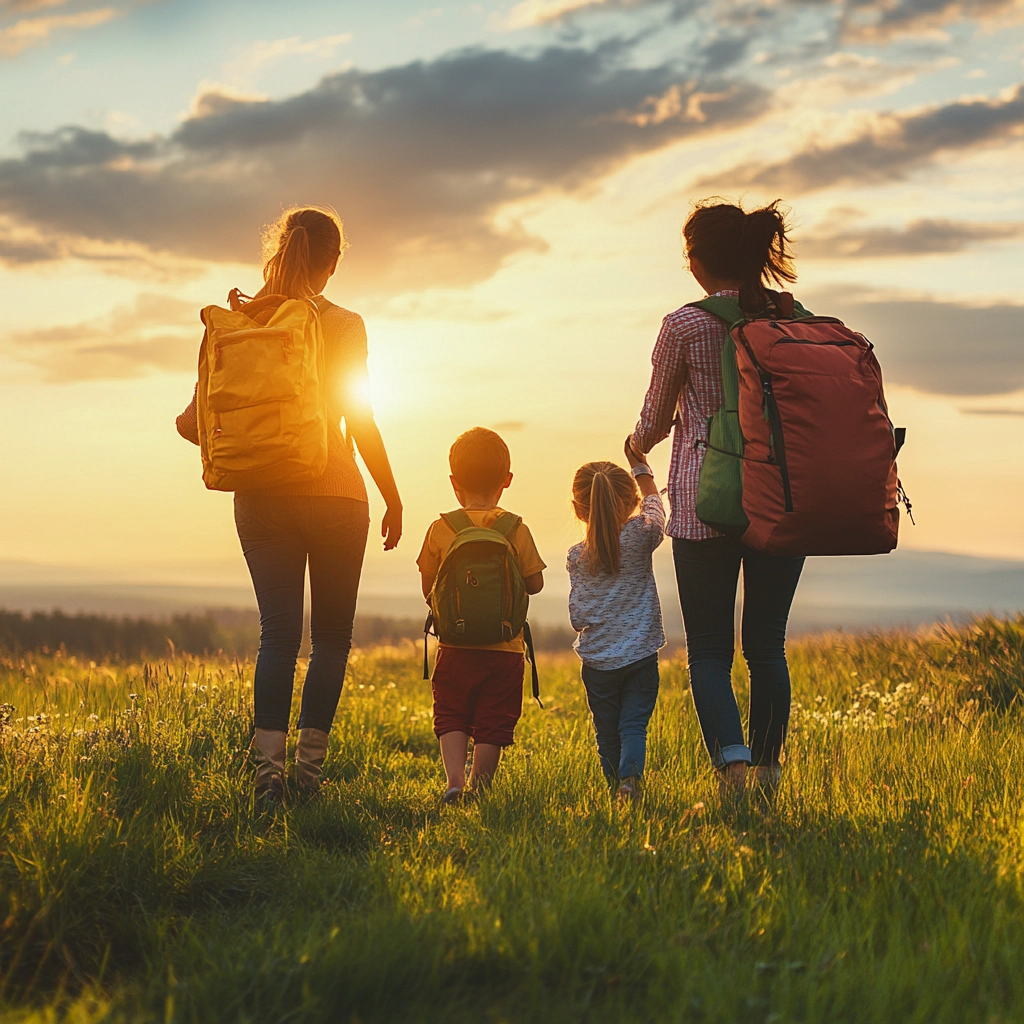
302	243
604	496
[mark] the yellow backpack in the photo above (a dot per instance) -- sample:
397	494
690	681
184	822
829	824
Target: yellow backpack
261	400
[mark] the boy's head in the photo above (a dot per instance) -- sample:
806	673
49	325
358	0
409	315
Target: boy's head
479	461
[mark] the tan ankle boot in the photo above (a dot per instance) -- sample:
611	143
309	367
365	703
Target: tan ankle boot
267	750
309	758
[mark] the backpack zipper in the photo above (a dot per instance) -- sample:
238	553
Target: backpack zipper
771	407
776	441
820	344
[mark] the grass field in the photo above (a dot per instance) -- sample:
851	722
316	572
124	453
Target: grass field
138	884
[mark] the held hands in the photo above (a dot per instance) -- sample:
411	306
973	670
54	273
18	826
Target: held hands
391	527
632	456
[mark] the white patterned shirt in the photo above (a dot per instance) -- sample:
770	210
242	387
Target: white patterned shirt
685	391
618	617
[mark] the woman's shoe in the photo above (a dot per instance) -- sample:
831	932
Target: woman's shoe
766	781
452	797
732	780
309	759
628	791
267	751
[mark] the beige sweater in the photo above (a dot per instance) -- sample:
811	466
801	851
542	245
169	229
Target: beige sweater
345	352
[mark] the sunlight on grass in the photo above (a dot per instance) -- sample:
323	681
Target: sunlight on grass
140	883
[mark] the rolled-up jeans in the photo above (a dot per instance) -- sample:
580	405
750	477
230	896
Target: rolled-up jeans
279	535
707	572
621	702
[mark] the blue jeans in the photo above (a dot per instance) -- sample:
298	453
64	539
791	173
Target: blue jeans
621	701
706	574
279	534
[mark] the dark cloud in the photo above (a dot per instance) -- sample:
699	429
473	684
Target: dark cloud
888	148
946	348
418	159
918	238
155	333
854	20
881	19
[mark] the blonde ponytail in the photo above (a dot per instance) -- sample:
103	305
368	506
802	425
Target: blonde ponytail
299	247
604	497
288	272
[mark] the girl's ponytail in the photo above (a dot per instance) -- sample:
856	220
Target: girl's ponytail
299	247
604	497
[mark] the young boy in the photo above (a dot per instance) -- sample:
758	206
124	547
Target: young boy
478	691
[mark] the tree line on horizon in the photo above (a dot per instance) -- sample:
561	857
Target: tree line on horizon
226	631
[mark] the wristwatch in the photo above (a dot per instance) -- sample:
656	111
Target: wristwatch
641	469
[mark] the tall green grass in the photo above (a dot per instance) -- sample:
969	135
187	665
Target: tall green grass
139	883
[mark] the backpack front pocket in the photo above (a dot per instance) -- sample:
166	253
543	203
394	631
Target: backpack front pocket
254	366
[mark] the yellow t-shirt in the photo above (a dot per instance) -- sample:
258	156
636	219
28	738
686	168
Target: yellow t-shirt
439	538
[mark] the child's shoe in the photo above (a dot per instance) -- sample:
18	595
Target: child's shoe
452	796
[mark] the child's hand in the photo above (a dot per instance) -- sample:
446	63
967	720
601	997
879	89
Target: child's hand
631	456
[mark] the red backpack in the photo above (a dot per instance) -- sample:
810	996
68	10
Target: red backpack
801	458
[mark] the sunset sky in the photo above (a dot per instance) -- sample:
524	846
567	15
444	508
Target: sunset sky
513	177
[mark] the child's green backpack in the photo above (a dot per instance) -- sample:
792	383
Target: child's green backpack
479	597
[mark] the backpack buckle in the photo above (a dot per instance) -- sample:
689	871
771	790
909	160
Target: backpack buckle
460	625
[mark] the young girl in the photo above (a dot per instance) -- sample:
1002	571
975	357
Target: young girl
614	607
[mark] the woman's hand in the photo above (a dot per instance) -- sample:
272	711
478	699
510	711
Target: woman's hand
391	527
631	455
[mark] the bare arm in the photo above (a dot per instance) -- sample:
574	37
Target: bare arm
645	481
366	434
534	584
427	583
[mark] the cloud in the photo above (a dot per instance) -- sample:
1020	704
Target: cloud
854	20
30	5
419	159
888	147
156	333
946	348
879	20
918	238
28	32
531	13
263	52
993	412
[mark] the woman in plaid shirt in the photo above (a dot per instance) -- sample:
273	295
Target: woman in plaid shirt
732	253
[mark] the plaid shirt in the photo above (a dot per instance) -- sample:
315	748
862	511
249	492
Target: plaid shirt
685	391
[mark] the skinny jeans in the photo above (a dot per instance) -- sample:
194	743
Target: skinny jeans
279	535
621	702
707	572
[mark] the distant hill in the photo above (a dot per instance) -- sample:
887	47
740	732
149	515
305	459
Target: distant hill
906	588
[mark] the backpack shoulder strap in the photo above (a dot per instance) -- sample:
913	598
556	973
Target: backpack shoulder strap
458	520
506	524
723	306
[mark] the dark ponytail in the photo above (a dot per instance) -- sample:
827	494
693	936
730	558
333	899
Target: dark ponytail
750	248
299	247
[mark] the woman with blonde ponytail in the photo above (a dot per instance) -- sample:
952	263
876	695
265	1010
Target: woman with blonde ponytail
322	521
614	608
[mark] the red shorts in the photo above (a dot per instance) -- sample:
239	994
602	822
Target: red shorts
479	693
